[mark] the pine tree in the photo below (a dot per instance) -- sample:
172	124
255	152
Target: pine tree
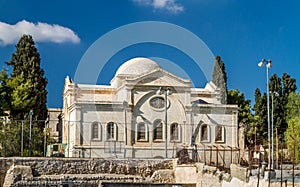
275	86
260	117
28	74
289	84
280	89
219	78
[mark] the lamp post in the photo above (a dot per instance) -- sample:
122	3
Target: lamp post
194	108
45	137
22	139
272	126
268	65
30	127
4	141
294	142
166	91
125	105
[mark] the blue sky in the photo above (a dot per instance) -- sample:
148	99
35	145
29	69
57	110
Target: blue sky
241	32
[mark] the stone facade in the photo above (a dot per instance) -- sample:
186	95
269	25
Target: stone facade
55	123
131	119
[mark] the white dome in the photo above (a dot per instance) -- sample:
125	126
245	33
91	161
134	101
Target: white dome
137	66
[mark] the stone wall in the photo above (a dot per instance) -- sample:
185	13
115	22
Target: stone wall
121	172
75	166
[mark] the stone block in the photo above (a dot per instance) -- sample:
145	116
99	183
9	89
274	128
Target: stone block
163	176
186	175
17	173
240	172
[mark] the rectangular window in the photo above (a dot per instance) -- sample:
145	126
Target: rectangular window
158	130
204	133
55	147
219	133
110	131
141	132
95	131
174	131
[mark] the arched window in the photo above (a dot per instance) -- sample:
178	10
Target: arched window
219	133
174	131
157	130
111	131
95	130
204	133
141	131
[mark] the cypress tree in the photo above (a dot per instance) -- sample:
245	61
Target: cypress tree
27	73
219	78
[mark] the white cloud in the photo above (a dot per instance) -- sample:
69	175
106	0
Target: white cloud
41	32
169	5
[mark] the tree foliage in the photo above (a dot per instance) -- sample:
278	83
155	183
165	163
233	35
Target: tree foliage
280	89
245	117
289	85
22	91
292	134
21	95
29	75
3	92
277	103
260	117
219	78
238	98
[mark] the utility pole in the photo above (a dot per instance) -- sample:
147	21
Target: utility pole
125	104
4	146
30	129
22	139
45	137
294	142
277	149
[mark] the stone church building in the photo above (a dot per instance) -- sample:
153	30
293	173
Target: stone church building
145	112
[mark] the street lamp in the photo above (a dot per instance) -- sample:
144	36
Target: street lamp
30	127
4	140
45	136
194	108
268	65
272	127
166	91
125	105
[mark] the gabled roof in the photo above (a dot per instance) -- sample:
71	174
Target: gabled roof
156	76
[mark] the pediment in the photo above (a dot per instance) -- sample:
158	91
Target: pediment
159	77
